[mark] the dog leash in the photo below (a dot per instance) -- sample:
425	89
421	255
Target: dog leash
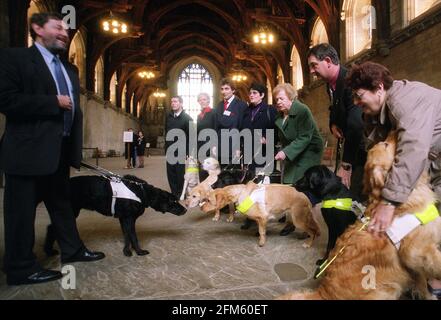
326	264
109	175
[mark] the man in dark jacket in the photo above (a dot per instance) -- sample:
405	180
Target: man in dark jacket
229	115
39	95
176	119
345	120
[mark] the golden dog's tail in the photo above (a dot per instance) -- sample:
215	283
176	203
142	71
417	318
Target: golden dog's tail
306	295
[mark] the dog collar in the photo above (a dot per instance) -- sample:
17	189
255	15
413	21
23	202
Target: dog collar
344	204
192	170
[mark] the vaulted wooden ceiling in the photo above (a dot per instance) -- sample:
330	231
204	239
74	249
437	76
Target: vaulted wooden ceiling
163	32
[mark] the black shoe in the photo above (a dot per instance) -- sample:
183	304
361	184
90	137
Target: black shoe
247	224
435	292
287	230
44	275
85	256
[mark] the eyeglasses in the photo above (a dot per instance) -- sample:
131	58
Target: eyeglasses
358	96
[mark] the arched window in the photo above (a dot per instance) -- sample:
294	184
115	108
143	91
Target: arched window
193	80
138	110
99	77
415	8
280	77
77	56
132	99
270	91
296	67
360	21
124	98
112	88
318	34
33	8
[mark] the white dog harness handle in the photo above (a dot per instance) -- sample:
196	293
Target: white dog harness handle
120	191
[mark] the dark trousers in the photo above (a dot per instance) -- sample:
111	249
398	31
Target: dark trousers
22	195
175	176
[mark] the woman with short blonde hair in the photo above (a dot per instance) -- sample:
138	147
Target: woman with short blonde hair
289	89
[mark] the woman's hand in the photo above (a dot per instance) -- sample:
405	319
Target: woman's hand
280	156
383	215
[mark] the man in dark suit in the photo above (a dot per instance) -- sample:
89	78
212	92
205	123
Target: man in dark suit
177	119
39	95
345	119
229	115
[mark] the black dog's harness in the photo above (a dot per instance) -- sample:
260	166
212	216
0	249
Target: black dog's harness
119	189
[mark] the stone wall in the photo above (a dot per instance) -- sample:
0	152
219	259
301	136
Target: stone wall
104	125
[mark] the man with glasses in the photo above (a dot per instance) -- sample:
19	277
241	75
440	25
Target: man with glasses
345	120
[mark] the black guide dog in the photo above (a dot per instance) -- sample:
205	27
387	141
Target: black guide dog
95	193
320	184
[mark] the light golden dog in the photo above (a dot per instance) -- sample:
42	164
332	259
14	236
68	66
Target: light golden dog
359	251
277	201
419	249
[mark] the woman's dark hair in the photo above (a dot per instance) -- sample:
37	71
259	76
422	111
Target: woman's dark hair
369	75
258	87
40	19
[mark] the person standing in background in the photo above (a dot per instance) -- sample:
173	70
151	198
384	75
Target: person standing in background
140	149
177	119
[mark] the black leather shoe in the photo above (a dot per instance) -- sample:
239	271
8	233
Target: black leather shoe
44	275
247	224
287	230
85	256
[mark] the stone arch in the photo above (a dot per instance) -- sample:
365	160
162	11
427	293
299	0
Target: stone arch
319	34
360	20
77	54
99	77
296	68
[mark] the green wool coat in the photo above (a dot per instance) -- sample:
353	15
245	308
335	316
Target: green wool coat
301	142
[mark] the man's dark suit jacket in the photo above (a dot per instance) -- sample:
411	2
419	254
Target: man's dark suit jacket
31	144
348	117
237	109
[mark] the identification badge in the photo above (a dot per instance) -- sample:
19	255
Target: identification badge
227	113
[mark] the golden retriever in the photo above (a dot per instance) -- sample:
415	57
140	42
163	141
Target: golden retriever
395	270
419	249
276	201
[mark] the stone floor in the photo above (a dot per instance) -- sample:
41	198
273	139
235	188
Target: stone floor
191	257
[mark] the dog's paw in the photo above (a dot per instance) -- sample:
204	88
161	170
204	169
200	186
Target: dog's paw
127	252
141	252
230	219
215	219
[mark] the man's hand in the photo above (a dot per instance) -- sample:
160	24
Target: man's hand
345	176
263	140
336	132
383	215
64	102
280	156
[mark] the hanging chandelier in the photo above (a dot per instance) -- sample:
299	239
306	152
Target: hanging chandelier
146	75
113	25
159	94
239	77
263	36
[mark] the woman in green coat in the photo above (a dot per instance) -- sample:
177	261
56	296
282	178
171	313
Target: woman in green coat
301	142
